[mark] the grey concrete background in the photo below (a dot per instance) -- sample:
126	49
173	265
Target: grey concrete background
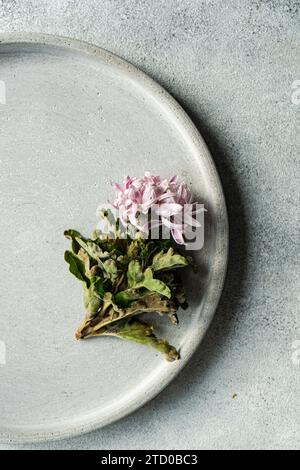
231	64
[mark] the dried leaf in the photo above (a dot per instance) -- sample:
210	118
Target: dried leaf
139	332
137	279
163	261
76	266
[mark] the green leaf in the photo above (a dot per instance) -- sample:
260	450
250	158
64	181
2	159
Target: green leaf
93	295
169	260
96	302
84	257
111	268
137	279
98	285
155	285
93	250
73	235
135	274
76	266
92	301
140	332
126	297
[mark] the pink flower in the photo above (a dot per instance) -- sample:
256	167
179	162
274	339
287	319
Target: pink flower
170	203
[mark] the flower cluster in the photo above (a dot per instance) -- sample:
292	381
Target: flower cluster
168	201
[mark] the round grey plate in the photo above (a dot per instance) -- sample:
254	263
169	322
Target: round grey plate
73	118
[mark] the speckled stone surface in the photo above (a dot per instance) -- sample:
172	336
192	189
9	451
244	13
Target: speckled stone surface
232	66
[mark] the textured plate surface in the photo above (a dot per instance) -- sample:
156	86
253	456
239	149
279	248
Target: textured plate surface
73	118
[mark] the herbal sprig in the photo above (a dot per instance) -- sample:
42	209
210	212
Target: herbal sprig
123	278
126	274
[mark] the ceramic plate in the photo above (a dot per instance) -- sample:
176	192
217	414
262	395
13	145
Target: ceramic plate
73	118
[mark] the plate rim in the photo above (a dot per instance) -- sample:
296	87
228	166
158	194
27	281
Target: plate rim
150	85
